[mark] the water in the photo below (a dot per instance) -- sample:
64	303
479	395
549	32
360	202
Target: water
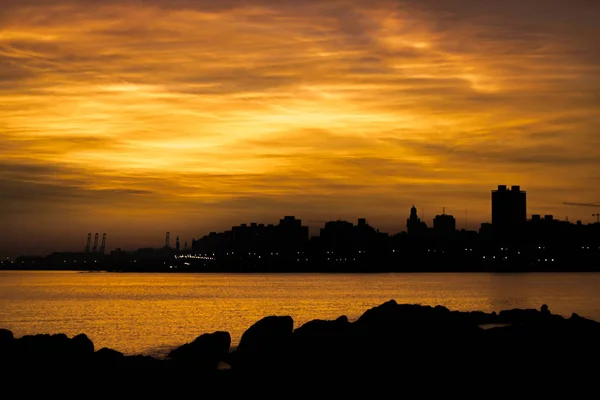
153	313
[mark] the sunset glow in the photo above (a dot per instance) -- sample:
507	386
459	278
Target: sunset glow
140	117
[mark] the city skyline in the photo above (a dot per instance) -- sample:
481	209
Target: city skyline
508	218
130	244
137	118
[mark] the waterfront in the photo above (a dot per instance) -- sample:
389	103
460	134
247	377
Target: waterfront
152	313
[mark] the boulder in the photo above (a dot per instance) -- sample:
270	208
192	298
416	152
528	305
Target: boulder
528	315
206	351
265	344
6	339
6	336
324	329
108	356
81	345
411	320
43	346
321	344
267	335
406	337
55	349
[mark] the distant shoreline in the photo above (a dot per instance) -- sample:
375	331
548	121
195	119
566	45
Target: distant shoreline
312	272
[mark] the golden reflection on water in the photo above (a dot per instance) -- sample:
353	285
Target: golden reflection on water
152	313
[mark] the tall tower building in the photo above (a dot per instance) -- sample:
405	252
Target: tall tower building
444	224
509	208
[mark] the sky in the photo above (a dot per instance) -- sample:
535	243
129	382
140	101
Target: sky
134	118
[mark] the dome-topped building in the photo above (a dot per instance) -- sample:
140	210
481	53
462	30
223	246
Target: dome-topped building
414	225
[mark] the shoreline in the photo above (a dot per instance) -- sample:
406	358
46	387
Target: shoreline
254	272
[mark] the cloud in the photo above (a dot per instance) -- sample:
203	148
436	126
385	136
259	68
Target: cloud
212	108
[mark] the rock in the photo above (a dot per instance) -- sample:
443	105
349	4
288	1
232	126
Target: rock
322	344
585	325
55	349
407	341
401	320
106	355
517	315
43	346
267	335
407	338
139	362
264	344
6	339
81	345
323	329
6	336
206	351
544	310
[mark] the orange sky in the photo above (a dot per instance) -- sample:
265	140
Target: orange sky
139	117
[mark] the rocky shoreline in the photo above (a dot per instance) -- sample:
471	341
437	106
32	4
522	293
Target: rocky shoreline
409	341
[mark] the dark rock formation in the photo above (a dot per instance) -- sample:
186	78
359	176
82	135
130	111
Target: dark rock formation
205	352
264	344
81	344
416	341
6	340
318	345
40	350
321	330
108	357
404	343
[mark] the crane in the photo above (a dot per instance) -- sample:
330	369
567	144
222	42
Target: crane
597	215
88	244
95	243
103	245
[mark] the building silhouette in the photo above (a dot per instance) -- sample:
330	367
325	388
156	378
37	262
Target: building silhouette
509	210
444	224
345	237
291	235
255	240
414	225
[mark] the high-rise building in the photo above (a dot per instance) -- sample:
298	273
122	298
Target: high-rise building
444	224
509	208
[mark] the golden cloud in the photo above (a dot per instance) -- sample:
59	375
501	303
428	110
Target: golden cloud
340	108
